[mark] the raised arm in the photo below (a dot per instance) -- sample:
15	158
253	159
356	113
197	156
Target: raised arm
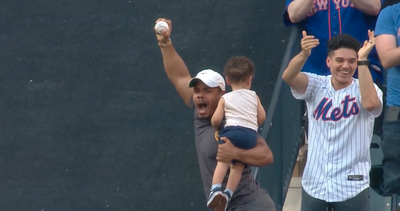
386	45
369	97
369	7
293	75
299	9
260	155
261	115
174	66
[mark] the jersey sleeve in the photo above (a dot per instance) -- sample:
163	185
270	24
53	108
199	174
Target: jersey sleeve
385	23
314	83
286	19
377	112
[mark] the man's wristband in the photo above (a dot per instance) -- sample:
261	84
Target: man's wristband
364	62
163	45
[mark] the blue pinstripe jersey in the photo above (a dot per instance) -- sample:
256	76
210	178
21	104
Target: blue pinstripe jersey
329	18
339	138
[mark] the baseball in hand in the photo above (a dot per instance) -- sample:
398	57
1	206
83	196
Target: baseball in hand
160	26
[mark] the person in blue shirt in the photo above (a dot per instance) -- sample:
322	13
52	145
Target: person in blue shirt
326	18
387	34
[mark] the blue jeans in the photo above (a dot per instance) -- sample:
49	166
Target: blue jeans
391	157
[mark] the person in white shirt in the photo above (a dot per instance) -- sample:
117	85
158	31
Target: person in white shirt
243	113
341	117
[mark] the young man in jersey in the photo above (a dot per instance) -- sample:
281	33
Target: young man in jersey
341	117
203	99
388	47
327	18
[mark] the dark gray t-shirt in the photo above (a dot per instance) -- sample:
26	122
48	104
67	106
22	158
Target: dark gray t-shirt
206	145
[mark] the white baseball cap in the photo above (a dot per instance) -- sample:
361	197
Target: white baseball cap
210	78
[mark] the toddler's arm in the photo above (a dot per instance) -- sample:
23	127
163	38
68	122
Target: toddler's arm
260	113
218	114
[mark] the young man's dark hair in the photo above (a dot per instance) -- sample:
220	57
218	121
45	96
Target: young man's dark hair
239	68
343	41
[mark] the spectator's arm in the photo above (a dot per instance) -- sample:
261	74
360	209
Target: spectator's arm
299	9
385	41
174	66
302	85
370	7
369	97
388	53
292	75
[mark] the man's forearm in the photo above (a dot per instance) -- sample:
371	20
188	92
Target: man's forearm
173	64
370	7
258	156
369	97
299	9
390	58
294	67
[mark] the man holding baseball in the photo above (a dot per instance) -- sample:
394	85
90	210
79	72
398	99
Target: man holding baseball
207	88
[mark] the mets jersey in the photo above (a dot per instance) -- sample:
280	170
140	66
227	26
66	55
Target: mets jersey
339	139
241	108
332	17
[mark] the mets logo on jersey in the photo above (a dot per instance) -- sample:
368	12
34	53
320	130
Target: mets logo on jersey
348	108
324	5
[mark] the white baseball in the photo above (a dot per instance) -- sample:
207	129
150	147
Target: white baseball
160	26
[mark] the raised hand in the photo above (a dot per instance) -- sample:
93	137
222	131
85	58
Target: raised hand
367	46
308	42
164	36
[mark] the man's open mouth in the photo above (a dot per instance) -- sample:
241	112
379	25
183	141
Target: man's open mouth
202	107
